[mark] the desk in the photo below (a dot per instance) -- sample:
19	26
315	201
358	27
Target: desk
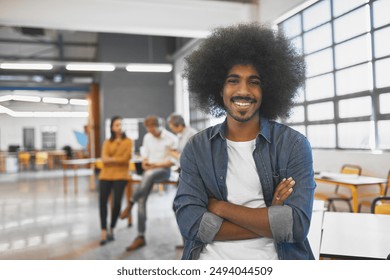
352	182
54	158
355	235
76	164
2	162
315	230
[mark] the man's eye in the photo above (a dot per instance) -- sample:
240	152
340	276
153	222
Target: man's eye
232	81
255	82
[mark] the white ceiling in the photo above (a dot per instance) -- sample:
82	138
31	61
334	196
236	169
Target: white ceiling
176	18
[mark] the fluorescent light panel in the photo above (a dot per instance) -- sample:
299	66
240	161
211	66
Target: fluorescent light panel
81	102
90	67
26	66
55	100
149	67
26	98
29	114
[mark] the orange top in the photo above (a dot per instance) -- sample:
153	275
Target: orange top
120	151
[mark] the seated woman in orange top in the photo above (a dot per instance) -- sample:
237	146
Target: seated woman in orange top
116	153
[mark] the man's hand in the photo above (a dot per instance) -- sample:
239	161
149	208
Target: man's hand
283	191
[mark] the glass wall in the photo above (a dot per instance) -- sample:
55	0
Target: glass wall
345	103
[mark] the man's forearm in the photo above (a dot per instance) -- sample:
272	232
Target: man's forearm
252	219
230	231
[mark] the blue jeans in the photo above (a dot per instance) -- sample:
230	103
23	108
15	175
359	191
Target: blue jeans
141	195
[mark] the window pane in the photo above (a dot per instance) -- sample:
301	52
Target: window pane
384	134
384	104
299	128
318	38
354	79
297	114
354	135
341	7
297	43
320	87
320	62
352	24
355	107
382	42
322	136
299	98
381	12
353	52
382	71
320	111
317	14
292	26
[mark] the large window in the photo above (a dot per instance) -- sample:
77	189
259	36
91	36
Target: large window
345	103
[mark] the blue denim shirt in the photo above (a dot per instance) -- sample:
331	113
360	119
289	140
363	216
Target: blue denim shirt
280	152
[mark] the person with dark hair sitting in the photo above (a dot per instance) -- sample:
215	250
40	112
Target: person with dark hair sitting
246	186
113	178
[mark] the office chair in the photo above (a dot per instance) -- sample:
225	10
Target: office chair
331	197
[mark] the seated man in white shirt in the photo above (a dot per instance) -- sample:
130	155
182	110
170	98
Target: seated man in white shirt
156	164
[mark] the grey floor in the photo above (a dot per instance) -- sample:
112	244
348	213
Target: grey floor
38	221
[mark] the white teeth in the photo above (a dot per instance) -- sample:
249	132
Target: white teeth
242	104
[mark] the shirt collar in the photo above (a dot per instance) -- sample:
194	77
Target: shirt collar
220	129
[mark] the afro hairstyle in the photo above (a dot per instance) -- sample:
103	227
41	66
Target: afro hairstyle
279	64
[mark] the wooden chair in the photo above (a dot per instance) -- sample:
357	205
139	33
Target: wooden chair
24	160
332	197
379	206
369	203
41	159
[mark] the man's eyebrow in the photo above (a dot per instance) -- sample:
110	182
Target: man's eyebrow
238	76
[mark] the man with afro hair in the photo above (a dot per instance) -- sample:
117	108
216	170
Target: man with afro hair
246	185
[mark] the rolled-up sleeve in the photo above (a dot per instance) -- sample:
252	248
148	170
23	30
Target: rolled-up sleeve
281	223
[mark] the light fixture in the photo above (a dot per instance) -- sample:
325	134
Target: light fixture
90	67
41	114
81	102
26	98
26	66
55	100
5	98
149	67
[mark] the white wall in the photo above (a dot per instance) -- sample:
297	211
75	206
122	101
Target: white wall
373	164
11	130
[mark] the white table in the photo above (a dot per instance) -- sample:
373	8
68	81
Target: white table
355	236
353	182
315	231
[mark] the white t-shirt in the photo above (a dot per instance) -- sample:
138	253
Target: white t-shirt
155	149
244	188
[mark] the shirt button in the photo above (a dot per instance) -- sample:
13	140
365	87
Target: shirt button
221	177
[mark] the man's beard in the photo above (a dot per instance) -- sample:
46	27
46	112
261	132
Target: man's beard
242	118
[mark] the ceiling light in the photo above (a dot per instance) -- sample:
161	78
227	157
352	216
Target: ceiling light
5	98
148	67
26	66
39	114
90	67
26	98
55	100
81	102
